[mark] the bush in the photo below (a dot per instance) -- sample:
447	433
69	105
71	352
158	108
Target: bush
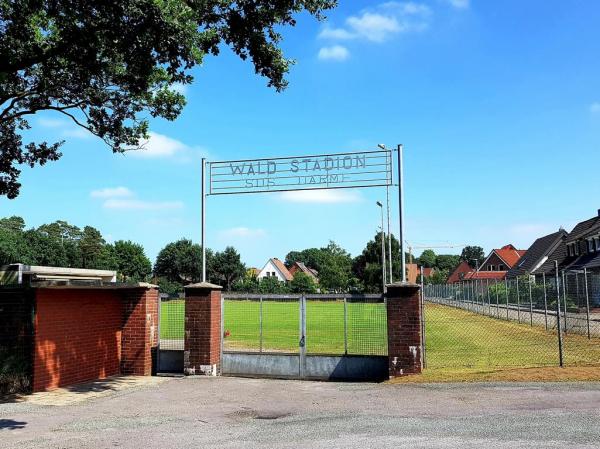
15	372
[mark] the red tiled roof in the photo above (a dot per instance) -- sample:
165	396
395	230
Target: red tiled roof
281	267
477	275
509	254
427	272
462	269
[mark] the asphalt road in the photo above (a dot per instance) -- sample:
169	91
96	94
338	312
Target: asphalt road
250	413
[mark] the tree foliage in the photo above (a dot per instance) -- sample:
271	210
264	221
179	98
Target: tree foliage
109	66
132	263
228	267
470	254
61	244
181	262
427	259
302	283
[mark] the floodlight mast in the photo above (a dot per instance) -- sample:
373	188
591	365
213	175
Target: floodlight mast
401	207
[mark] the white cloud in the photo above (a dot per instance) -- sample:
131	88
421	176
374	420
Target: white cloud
158	146
133	204
321	196
334	53
52	123
67	128
382	22
460	4
595	107
242	232
111	192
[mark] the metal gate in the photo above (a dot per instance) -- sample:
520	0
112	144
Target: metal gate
304	336
171	318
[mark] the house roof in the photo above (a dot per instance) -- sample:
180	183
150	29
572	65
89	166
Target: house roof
461	269
508	254
281	267
537	254
309	271
582	230
478	275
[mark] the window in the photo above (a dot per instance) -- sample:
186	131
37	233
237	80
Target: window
491	268
597	243
501	267
576	245
591	246
571	250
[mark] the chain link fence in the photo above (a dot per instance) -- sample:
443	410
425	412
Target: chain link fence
522	322
172	323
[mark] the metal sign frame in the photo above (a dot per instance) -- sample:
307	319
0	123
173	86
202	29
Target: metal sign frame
359	169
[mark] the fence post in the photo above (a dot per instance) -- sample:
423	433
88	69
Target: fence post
565	298
497	299
260	322
506	290
302	343
345	326
587	302
545	300
560	342
518	302
530	303
423	346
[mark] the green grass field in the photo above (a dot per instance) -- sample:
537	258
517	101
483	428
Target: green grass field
455	338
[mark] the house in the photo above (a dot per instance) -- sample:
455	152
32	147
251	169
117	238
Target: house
412	272
537	254
578	250
496	264
427	272
300	266
275	268
459	272
502	259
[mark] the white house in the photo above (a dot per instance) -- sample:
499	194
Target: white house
275	268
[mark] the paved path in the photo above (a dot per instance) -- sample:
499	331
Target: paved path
250	413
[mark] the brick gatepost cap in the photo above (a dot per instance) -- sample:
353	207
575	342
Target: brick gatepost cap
203	285
403	285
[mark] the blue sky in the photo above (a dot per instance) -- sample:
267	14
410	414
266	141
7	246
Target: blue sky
497	104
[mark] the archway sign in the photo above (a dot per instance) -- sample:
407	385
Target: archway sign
283	174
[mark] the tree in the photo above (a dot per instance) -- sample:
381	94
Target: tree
470	254
272	285
447	262
91	245
427	258
367	266
181	262
14	223
228	267
107	67
131	260
248	284
302	283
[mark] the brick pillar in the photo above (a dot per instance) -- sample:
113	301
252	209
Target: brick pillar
404	329
202	347
139	337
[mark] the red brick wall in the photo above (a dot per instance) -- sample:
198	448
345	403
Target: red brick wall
77	336
202	329
404	329
140	331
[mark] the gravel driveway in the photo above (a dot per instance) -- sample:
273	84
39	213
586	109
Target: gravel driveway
250	413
